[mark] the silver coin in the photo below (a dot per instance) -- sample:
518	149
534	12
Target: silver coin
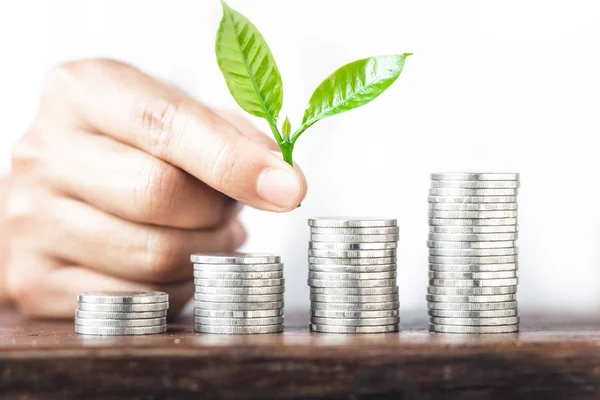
473	282
123	297
472	222
472	199
474	321
511	312
238	321
238	267
473	267
315	237
351	275
352	261
473	214
229	291
315	305
344	222
473	237
352	253
354	329
355	291
352	268
475	176
509	251
239	298
471	291
474	229
238	314
473	207
472	275
378	298
238	275
355	321
107	331
120	315
239	282
473	260
123	307
120	323
475	184
456	192
473	329
352	246
471	245
234	258
381	230
495	298
349	284
501	305
214	306
238	330
354	314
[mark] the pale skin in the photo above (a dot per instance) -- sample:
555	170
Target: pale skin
119	179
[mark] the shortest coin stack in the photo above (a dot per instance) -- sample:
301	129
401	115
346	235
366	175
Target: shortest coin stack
238	293
121	313
352	275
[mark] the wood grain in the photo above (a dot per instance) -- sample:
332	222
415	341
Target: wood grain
549	359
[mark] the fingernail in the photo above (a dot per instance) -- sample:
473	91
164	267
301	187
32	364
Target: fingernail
280	187
239	234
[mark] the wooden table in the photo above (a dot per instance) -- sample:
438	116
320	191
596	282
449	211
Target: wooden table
547	360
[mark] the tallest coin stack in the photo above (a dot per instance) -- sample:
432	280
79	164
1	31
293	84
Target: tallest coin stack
473	253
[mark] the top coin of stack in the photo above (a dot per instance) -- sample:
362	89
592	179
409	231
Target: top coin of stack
352	275
473	253
121	313
238	293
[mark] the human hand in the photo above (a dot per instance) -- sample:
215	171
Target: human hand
120	178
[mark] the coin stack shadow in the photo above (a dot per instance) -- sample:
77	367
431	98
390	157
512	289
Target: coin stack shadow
121	313
352	275
472	253
238	293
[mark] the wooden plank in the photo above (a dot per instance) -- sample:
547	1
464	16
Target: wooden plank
552	360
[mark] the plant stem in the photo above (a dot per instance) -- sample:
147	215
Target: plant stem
275	131
287	149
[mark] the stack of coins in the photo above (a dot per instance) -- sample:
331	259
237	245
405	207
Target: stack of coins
473	253
238	293
352	275
121	313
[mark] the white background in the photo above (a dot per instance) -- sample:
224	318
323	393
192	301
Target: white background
493	86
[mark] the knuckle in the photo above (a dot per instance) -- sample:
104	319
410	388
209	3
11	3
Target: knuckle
21	213
158	188
224	167
158	120
22	289
70	71
28	151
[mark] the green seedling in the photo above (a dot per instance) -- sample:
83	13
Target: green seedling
255	83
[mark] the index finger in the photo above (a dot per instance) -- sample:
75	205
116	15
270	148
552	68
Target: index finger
132	107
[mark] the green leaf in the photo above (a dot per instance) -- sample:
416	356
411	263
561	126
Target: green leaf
352	86
248	66
286	128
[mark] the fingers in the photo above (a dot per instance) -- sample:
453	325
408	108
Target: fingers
55	296
83	235
121	102
131	184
